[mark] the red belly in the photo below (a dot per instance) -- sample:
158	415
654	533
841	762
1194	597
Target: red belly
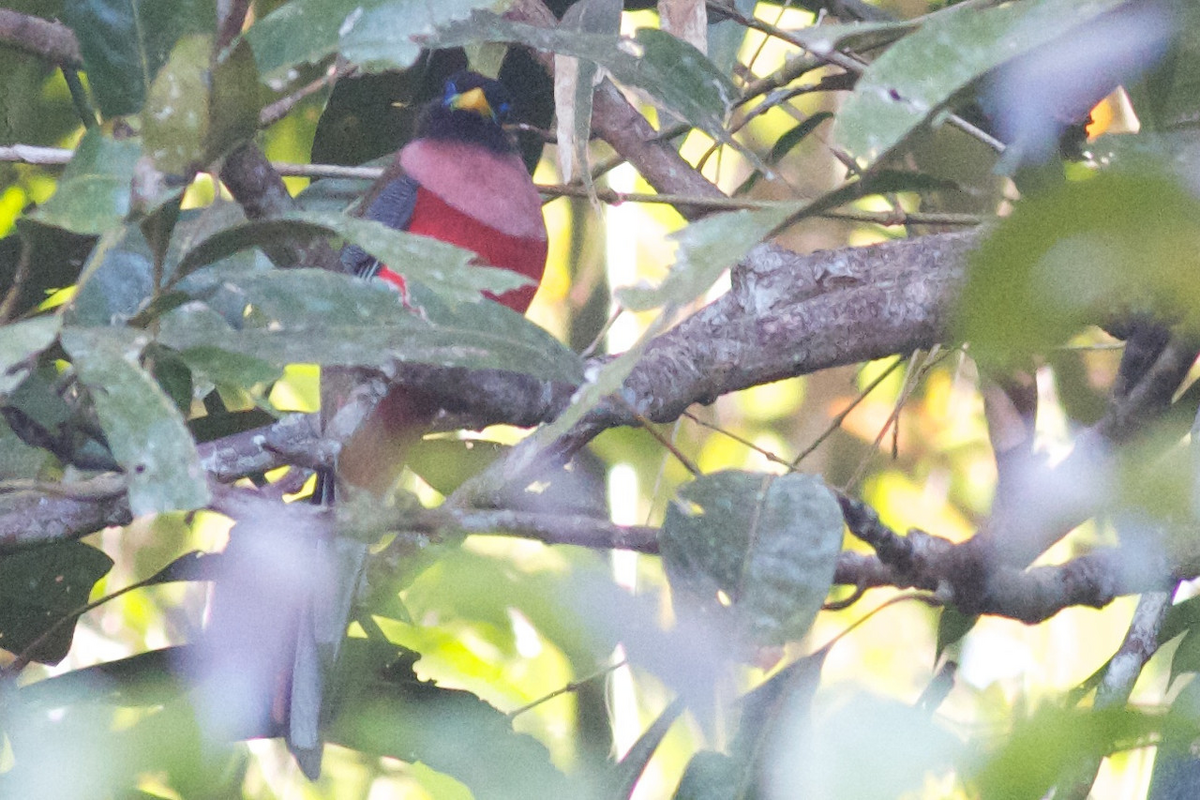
435	218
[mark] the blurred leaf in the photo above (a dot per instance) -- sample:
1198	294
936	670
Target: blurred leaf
1180	618
389	35
214	426
953	625
1187	655
710	776
629	770
858	36
706	249
1169	96
19	342
574	85
767	544
386	711
1051	744
672	72
899	91
126	42
315	316
173	376
58	254
175	119
1115	243
93	192
145	430
41	586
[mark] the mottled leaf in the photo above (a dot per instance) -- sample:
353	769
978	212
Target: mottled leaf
387	35
145	430
40	587
764	545
175	119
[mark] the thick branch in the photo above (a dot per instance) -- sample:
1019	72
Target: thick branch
52	41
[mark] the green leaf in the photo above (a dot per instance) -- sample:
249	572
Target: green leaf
899	91
671	71
385	36
126	42
445	463
93	192
706	249
235	101
1115	243
953	625
38	588
175	119
443	268
145	430
385	710
116	282
300	32
760	547
314	316
19	343
226	369
1169	97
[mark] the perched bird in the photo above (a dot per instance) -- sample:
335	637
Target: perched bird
460	180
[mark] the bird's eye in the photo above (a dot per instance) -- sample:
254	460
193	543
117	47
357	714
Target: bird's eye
502	109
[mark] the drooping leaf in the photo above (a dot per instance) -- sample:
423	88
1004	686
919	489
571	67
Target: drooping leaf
126	42
899	92
19	342
765	545
314	316
235	100
1115	243
41	586
175	120
116	282
145	430
574	85
442	267
953	625
93	192
629	771
706	249
299	32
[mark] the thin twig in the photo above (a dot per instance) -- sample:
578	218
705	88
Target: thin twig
840	417
281	108
668	444
9	304
573	686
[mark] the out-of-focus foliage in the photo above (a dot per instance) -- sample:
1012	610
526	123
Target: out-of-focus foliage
143	317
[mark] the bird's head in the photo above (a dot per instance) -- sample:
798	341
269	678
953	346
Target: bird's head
472	109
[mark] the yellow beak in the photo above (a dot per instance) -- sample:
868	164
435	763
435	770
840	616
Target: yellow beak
473	100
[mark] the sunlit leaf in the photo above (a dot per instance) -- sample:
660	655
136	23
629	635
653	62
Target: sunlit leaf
144	428
762	546
706	249
126	42
40	587
899	91
1117	243
93	192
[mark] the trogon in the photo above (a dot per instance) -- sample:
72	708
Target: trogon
460	180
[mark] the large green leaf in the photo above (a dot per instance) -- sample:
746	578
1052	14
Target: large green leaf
126	42
176	117
1118	242
706	249
93	192
117	280
386	35
443	268
300	32
145	430
900	91
314	316
40	587
766	545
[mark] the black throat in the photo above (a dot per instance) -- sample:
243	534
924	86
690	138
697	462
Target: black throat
445	125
